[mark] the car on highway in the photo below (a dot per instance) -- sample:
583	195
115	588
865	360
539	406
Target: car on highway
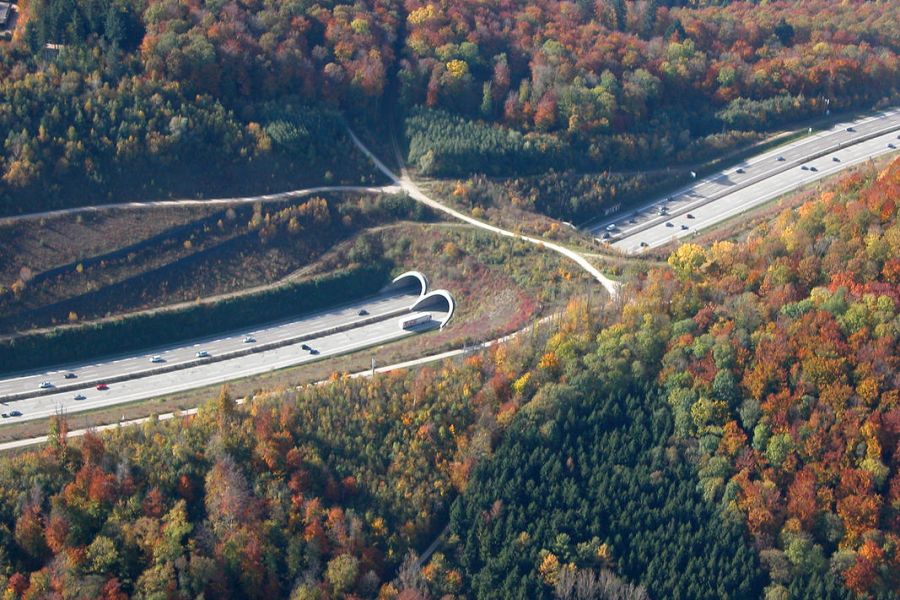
362	312
835	159
669	224
15	413
813	168
202	354
739	170
313	351
690	215
683	226
5	415
80	397
662	210
780	159
611	227
102	386
304	346
805	168
46	385
606	235
850	130
644	244
249	339
70	376
892	146
156	358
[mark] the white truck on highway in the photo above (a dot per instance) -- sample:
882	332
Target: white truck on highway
414	319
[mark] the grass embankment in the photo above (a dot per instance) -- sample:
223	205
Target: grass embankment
76	269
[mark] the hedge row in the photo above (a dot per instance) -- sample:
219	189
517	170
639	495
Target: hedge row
145	330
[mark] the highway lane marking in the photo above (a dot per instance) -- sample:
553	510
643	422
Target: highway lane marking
809	178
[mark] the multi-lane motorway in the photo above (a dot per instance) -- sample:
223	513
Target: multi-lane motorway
351	327
751	183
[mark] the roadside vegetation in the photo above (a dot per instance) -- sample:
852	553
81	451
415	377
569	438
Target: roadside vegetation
736	421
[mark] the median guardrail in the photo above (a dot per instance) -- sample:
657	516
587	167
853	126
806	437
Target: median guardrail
262	347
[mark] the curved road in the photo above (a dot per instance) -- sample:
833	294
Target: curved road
414	192
753	182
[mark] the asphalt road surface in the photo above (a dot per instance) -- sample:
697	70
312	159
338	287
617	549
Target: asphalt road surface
151	386
186	352
762	178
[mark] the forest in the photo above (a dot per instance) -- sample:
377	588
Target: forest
152	86
736	421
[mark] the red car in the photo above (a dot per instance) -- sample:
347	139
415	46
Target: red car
102	386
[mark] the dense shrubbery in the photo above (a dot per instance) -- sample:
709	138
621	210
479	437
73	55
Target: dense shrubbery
444	144
145	330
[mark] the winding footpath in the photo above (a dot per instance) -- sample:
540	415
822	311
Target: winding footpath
408	185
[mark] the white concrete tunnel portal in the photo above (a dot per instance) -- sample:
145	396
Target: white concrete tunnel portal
410	279
440	299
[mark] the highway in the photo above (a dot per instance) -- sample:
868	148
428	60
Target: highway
752	182
176	354
151	386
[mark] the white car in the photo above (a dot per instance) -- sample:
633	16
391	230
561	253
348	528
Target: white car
46	385
611	227
249	339
202	354
157	359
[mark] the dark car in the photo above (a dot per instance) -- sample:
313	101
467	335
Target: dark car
835	159
780	159
805	168
313	351
813	169
304	346
15	413
850	129
102	386
644	244
669	224
362	312
683	226
690	216
739	170
71	376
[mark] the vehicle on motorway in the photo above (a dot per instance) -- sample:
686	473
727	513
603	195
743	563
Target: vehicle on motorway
46	385
312	351
606	235
780	159
70	376
835	159
805	168
102	387
80	397
362	312
739	170
850	129
632	220
661	210
202	354
413	320
611	227
644	244
157	359
813	168
683	226
249	339
690	216
669	224
892	146
5	415
304	346
15	413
